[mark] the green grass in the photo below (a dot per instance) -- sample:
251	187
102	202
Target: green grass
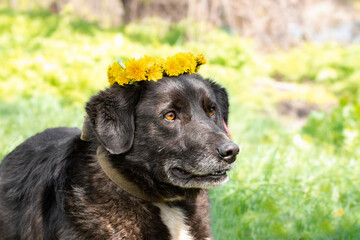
286	184
23	118
285	189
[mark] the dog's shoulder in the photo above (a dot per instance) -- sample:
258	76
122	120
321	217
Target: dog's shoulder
31	177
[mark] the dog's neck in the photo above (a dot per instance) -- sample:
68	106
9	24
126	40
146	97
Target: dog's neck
123	182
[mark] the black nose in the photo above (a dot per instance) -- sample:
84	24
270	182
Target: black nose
228	152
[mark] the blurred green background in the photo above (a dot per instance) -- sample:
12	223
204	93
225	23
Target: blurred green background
291	69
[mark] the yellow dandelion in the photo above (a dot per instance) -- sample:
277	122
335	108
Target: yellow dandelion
172	67
110	76
154	67
154	73
152	61
192	62
340	212
120	77
148	61
135	69
200	59
160	62
115	74
183	61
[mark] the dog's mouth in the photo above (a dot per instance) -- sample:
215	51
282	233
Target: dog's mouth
185	175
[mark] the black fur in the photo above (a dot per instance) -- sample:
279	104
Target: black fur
52	187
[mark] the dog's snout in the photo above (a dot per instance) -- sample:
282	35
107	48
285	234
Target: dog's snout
228	152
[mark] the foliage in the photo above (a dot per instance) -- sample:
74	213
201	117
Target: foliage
330	64
335	67
287	184
340	128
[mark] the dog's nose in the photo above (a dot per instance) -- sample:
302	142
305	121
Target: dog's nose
228	152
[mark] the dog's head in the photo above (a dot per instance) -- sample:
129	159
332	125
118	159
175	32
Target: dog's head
173	128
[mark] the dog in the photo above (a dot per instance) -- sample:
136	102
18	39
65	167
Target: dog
139	169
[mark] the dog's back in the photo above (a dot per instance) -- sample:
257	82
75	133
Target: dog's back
31	177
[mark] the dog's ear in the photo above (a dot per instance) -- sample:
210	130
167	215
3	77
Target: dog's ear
111	116
222	101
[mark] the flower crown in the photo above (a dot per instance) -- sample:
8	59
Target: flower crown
153	68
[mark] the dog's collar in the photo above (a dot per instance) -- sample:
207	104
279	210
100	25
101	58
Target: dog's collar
121	180
115	176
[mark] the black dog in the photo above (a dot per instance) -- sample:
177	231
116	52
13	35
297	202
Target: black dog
138	170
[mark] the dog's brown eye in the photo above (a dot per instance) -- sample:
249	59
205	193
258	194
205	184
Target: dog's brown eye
212	111
169	116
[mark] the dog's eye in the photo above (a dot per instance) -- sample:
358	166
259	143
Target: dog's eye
212	111
170	116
